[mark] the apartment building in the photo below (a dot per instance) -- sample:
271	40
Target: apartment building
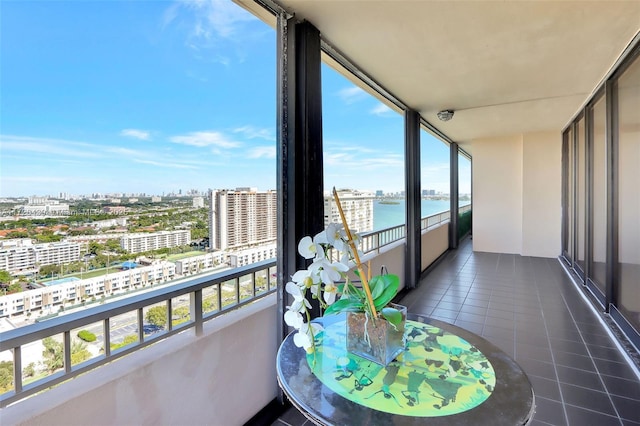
251	255
141	242
74	290
241	217
196	264
22	256
356	205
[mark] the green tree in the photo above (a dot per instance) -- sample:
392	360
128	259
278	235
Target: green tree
29	370
95	247
6	376
5	277
53	354
79	352
181	312
157	316
14	288
49	270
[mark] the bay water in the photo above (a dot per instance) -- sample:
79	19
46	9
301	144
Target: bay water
391	212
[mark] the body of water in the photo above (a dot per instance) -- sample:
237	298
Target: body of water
388	215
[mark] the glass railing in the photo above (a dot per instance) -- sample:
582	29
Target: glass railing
185	304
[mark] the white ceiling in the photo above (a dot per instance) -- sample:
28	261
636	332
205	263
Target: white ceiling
505	67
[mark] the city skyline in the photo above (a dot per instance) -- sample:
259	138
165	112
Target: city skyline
154	97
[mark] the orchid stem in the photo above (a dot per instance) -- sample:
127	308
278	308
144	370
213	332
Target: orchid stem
363	276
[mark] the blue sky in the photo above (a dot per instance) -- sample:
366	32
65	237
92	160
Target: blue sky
153	97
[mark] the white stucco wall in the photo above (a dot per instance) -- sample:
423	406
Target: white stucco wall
434	242
517	186
497	194
541	194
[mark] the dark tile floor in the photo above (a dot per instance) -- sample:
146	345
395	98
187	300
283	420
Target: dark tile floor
529	308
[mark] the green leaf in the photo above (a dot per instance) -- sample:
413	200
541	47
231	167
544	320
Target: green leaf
391	284
344	305
392	315
377	285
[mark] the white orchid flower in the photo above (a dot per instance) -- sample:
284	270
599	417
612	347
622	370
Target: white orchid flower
336	236
321	238
303	338
330	272
299	301
306	278
330	292
307	248
294	319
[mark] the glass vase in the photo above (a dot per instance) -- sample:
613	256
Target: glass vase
376	340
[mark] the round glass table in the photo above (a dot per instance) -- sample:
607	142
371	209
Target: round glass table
445	375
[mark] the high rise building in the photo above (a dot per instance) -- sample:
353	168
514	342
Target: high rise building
356	205
241	217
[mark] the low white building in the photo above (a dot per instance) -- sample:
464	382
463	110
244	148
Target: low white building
251	255
197	264
74	290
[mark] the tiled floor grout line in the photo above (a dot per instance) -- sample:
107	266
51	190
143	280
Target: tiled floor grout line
615	409
553	359
601	321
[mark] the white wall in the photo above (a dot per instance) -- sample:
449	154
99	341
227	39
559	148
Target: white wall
542	192
497	194
221	378
517	194
434	242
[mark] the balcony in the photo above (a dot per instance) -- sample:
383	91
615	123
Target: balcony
194	372
532	137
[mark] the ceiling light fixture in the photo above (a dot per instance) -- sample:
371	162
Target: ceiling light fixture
445	115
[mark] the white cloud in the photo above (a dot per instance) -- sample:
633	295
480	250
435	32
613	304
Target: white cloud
208	22
204	139
48	146
251	132
262	152
381	110
358	158
167	164
219	16
136	134
352	94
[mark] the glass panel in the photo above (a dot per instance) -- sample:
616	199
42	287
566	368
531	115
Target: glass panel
123	330
210	299
434	175
363	154
628	294
570	195
180	310
87	342
154	319
580	196
599	195
464	194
